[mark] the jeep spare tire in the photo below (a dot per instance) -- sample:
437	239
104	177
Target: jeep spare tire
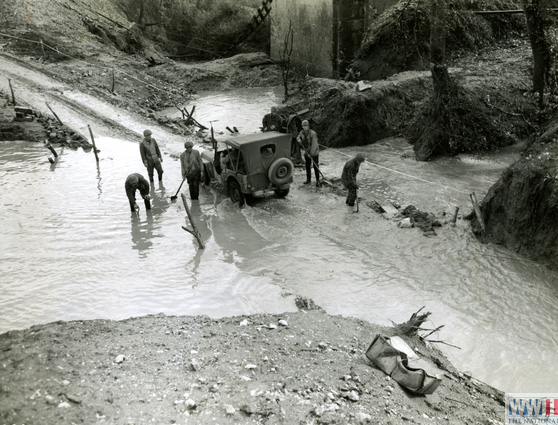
280	171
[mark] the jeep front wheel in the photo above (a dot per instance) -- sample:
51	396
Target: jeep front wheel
236	194
280	171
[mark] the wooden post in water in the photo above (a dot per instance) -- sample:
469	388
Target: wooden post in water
93	141
12	91
194	231
54	113
455	215
50	148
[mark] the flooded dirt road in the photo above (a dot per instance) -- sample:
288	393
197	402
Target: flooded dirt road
72	250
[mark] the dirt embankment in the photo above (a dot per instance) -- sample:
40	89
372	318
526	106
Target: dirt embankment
305	367
496	80
521	210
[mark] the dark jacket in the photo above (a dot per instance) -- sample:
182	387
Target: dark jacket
272	122
135	182
348	176
150	154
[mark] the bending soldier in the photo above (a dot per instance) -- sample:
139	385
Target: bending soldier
348	177
135	182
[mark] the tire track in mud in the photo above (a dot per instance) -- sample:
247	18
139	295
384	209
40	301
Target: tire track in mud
39	87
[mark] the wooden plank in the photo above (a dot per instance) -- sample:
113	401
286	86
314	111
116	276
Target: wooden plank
477	211
387	207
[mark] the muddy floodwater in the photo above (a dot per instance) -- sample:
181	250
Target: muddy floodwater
71	249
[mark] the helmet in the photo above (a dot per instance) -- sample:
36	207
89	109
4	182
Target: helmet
305	122
360	157
147	133
188	144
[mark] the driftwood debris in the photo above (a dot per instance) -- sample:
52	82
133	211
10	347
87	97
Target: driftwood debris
413	325
189	118
194	230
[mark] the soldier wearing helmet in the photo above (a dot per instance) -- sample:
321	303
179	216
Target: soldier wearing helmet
151	156
308	139
192	169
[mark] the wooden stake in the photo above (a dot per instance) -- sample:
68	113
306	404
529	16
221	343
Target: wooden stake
93	141
455	215
182	112
194	231
12	91
43	50
54	113
50	148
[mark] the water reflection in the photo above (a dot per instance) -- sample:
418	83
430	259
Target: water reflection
142	233
159	200
99	180
53	163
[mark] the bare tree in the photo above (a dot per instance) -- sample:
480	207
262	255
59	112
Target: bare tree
536	17
285	58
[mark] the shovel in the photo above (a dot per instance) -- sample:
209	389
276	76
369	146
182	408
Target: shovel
314	163
173	198
356	202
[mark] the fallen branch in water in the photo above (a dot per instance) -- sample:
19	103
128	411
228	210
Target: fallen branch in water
433	330
442	342
194	230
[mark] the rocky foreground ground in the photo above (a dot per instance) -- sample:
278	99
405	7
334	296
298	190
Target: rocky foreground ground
297	368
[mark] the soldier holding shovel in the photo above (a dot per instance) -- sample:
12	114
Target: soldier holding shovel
308	139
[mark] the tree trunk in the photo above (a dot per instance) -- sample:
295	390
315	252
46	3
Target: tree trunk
534	17
443	86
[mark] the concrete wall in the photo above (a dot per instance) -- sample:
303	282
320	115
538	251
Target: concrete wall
312	34
326	33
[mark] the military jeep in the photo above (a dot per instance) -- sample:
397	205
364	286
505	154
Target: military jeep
251	165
